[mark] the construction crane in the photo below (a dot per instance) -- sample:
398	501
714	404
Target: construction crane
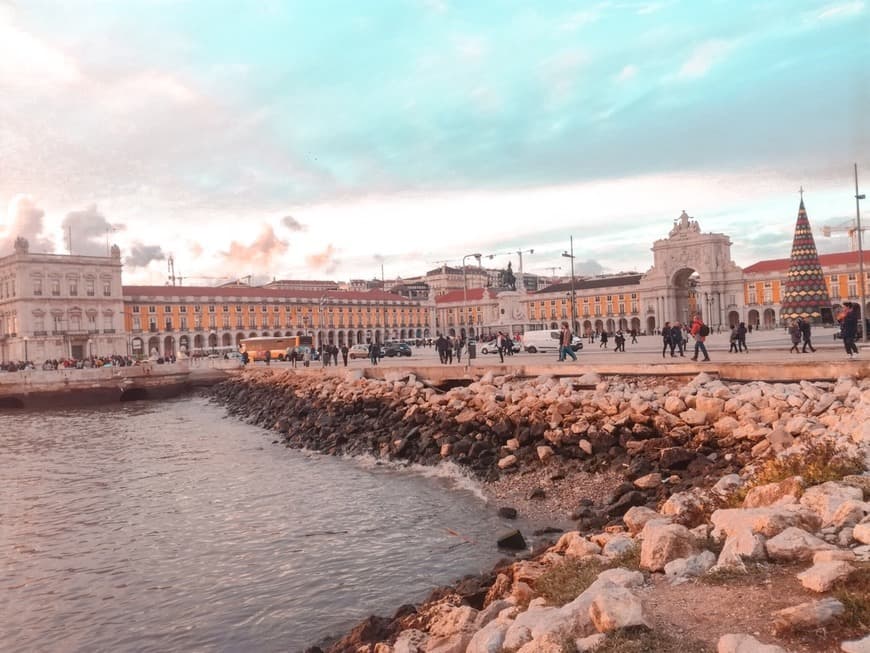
847	227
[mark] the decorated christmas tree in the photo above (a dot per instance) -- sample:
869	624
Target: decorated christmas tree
805	294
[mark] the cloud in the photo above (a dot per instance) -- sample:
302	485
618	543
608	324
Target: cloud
841	10
588	268
292	223
28	61
261	253
24	218
704	57
88	230
324	260
141	255
627	73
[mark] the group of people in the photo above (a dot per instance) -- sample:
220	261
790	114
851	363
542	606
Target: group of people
448	347
70	363
800	331
738	338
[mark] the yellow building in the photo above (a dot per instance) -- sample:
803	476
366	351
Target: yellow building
166	320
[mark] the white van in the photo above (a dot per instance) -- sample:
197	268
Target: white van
546	341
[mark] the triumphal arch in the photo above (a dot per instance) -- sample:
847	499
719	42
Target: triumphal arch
692	272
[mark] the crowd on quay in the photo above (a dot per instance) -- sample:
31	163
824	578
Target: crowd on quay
69	363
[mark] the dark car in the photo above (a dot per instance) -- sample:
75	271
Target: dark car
397	349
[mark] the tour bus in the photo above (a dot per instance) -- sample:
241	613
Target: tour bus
278	347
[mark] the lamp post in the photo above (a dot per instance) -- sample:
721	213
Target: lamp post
573	294
858	198
25	349
465	285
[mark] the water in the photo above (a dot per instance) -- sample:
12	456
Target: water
165	526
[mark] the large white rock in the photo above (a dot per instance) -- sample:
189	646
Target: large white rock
850	513
490	638
795	544
745	644
684	568
663	542
684	507
765	521
574	545
694	417
826	498
410	641
589	644
856	646
807	616
616	608
741	546
727	485
618	545
621	577
861	532
774	494
637	516
822	575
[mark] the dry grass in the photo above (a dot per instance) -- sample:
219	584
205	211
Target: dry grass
820	461
564	582
854	593
649	641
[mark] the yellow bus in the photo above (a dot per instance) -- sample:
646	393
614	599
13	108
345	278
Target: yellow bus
278	347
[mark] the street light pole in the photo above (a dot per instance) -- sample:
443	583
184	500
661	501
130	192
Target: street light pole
573	294
858	198
465	286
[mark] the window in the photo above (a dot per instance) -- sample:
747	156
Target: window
136	309
197	308
225	321
753	298
55	287
168	322
768	292
75	322
37	287
182	309
852	285
107	288
183	325
39	324
57	321
137	323
225	308
211	308
89	287
152	309
92	322
108	324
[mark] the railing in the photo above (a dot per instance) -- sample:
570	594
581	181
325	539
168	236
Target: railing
108	331
58	333
40	333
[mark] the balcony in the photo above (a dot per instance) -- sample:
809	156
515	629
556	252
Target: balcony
40	333
108	331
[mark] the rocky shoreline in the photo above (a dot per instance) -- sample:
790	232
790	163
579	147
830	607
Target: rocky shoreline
654	476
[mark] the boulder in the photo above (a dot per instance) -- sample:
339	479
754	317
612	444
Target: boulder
512	540
616	608
807	616
775	494
618	545
410	641
507	461
693	417
649	481
765	521
861	532
507	512
684	568
544	453
637	517
727	485
663	542
856	646
490	638
822	575
675	457
745	644
795	544
684	508
589	644
741	546
826	498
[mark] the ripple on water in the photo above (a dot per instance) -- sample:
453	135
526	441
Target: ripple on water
161	526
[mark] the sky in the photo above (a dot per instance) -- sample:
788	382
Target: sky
332	139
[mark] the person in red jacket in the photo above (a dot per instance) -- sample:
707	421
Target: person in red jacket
699	332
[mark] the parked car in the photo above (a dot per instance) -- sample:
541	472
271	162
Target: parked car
491	347
358	351
397	349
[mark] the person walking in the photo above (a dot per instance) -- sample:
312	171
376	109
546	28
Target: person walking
677	340
634	336
699	332
500	342
849	327
565	340
794	332
666	339
741	337
267	357
344	352
457	349
733	340
807	335
373	353
603	344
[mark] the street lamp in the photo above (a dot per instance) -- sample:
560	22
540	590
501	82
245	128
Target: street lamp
25	349
465	285
573	294
858	198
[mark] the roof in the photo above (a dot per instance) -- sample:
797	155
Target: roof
227	293
783	264
594	282
474	294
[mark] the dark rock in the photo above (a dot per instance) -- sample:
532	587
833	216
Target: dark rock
537	493
513	540
675	457
617	492
558	476
626	501
547	530
507	512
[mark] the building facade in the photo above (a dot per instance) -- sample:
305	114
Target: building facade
168	320
55	306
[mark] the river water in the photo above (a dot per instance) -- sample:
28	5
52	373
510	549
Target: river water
158	526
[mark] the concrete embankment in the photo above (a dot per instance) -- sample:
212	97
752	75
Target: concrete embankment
69	386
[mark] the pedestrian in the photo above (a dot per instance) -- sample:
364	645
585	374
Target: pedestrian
807	336
619	341
373	353
741	337
633	337
306	357
603	340
293	357
699	332
458	349
566	339
678	342
666	339
267	357
849	327
500	344
344	352
448	351
733	339
794	332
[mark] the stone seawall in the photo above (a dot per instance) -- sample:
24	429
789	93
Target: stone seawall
38	388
